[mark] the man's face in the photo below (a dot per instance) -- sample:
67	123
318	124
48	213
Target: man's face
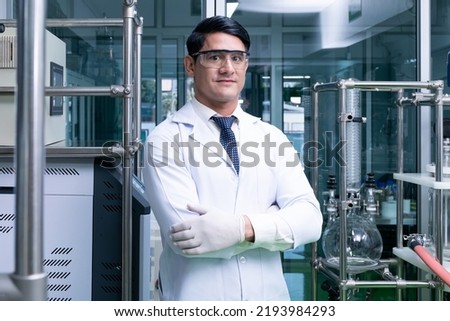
218	88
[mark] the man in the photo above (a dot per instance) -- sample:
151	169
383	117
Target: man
225	213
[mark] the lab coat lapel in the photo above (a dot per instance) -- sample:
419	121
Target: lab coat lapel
196	130
248	142
249	137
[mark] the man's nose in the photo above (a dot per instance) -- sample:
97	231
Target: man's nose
227	63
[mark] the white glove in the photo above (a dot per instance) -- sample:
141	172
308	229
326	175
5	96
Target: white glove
212	230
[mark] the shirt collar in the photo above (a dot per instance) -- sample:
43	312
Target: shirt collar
205	113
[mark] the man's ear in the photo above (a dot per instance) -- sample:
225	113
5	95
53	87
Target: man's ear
189	65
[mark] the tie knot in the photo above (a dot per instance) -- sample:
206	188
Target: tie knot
224	122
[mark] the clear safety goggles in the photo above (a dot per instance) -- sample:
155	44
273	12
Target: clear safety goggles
217	58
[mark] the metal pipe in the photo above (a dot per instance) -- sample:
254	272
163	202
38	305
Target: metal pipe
315	142
400	166
115	91
315	183
103	22
439	215
389	85
314	276
377	85
67	152
439	118
343	205
325	86
353	284
325	270
387	275
129	13
137	92
403	101
390	280
29	273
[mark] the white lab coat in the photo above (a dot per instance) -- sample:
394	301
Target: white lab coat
248	271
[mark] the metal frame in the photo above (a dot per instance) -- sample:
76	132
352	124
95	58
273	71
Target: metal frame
435	99
28	281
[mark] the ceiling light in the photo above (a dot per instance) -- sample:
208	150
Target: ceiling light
284	6
231	7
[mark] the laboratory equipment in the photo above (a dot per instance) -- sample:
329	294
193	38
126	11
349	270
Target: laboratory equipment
350	200
364	242
55	75
82	229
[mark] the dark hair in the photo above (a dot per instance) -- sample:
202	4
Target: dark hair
196	39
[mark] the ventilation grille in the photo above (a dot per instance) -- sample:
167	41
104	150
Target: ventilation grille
8	49
64	171
111	277
5	229
59	275
114	266
62	250
58	287
113	196
56	262
7	170
111	201
108	184
111	289
59	299
6	218
54	171
113	208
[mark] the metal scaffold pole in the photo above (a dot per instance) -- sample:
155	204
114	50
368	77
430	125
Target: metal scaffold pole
129	13
28	281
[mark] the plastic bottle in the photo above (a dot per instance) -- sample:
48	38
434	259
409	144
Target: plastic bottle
446	156
380	192
391	190
370	202
331	205
389	206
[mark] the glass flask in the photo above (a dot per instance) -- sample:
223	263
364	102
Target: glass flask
364	242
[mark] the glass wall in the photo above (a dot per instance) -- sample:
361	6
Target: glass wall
291	50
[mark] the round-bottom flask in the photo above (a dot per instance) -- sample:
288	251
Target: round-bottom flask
364	242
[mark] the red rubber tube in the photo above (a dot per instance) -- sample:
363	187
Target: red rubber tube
432	263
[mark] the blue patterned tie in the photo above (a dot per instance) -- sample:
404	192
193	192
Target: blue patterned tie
227	138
